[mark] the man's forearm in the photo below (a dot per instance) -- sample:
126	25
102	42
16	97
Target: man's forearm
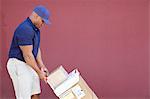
39	59
30	60
41	64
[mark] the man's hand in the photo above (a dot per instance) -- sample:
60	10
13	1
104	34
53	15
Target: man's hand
42	76
45	71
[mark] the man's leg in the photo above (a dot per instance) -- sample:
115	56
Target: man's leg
25	80
36	90
13	75
36	96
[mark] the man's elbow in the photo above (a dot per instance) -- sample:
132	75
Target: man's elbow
28	56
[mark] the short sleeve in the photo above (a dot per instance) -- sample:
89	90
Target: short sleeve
25	36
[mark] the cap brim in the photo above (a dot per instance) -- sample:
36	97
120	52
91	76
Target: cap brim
47	21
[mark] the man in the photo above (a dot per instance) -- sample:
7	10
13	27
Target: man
25	65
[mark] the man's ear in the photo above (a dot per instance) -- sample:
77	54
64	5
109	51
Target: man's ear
35	15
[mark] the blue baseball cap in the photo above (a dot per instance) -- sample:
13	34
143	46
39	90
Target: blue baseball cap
43	13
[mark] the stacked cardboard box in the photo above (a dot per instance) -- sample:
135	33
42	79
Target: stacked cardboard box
69	85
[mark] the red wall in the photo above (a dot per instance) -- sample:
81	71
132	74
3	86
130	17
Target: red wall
0	45
107	40
149	44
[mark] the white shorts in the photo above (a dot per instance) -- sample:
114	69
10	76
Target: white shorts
25	80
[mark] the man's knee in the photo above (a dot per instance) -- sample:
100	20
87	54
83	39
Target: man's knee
36	96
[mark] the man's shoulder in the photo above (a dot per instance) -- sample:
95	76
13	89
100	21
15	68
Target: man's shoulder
24	28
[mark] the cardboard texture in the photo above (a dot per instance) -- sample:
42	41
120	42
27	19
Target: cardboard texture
69	86
84	93
57	77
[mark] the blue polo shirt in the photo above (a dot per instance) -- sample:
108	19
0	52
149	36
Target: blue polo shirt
25	34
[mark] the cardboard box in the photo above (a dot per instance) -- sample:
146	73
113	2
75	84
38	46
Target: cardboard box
69	86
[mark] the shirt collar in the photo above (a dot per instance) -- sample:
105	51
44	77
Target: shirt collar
33	26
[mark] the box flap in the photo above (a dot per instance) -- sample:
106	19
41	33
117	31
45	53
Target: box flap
72	79
57	77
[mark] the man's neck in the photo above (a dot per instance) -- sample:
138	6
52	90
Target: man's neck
31	18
